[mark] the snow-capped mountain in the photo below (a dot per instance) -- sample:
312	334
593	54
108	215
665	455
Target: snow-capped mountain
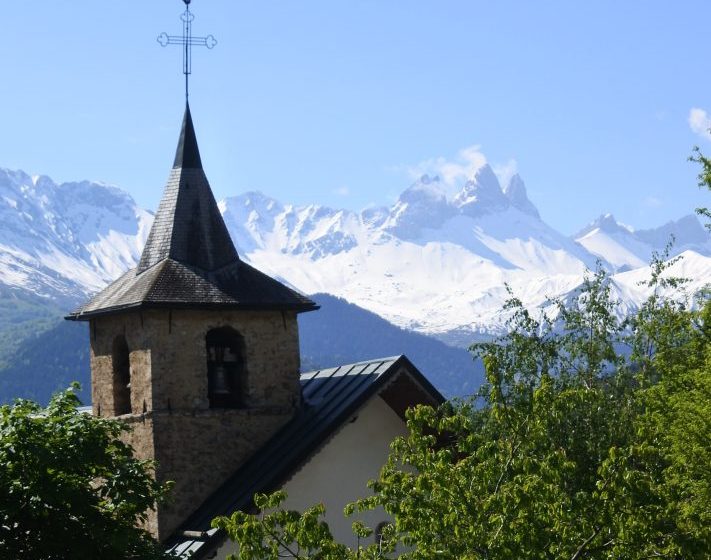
626	249
431	262
61	241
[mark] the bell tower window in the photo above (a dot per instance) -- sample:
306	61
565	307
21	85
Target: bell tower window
226	372
122	376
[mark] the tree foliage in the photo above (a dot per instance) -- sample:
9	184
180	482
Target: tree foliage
704	178
279	533
590	439
69	488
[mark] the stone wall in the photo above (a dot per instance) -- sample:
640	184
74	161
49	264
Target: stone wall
138	336
141	439
200	452
195	446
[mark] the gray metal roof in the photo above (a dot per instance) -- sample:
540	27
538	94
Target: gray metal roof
330	397
189	259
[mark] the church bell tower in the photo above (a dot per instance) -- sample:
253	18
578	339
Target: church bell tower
196	350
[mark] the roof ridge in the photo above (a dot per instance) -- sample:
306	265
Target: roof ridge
393	358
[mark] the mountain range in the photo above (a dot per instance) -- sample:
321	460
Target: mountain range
432	262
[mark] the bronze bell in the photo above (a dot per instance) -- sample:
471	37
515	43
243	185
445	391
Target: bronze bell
220	383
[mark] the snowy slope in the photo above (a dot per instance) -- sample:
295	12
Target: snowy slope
430	263
627	249
690	265
64	240
433	262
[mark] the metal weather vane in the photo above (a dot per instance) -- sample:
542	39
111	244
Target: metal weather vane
187	41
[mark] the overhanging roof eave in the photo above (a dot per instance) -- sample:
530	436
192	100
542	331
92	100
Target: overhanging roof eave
88	315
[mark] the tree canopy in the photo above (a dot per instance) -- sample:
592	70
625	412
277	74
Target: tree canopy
704	179
590	439
69	487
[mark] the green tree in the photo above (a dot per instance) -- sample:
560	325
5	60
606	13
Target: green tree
69	488
704	178
590	439
279	533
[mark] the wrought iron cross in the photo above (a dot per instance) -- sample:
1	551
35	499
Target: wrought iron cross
187	41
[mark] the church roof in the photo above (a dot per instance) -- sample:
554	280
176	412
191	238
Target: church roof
189	259
330	397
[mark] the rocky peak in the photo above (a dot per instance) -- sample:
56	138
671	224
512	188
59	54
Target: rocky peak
424	204
605	223
482	194
685	231
515	191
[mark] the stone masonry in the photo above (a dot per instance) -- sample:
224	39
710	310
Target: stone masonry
196	447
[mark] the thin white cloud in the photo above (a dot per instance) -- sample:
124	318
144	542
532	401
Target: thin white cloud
652	202
700	122
452	172
342	191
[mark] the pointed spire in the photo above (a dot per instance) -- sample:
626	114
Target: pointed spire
189	260
188	227
187	156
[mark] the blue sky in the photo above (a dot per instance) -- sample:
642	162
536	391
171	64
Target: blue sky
596	104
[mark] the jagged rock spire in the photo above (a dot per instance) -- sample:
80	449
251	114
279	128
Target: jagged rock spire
188	227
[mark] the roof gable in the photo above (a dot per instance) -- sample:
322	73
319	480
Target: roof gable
331	396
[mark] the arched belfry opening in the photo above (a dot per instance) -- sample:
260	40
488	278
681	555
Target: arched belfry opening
226	371
122	376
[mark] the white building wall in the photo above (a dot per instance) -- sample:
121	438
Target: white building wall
339	472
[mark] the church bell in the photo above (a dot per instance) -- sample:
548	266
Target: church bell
220	382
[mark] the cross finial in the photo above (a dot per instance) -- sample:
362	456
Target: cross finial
187	41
